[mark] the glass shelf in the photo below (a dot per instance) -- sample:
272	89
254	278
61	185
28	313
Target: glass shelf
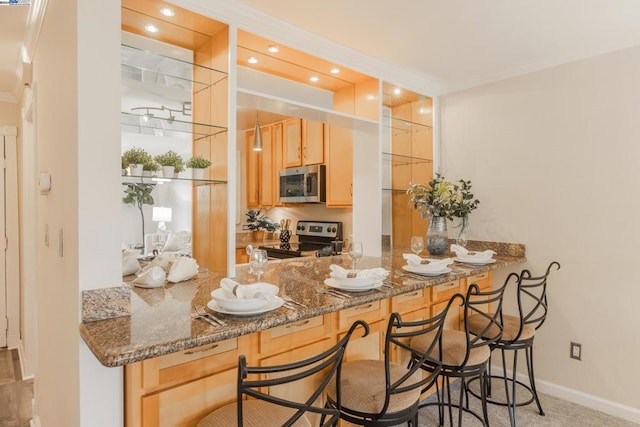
144	66
131	179
402	159
401	126
158	126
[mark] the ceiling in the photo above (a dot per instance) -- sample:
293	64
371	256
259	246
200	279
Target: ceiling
464	43
456	43
13	23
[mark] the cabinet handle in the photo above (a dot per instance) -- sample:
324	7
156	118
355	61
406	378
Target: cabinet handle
299	153
364	307
190	352
415	294
297	325
351	189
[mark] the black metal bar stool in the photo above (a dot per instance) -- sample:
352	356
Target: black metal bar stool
518	334
255	407
465	355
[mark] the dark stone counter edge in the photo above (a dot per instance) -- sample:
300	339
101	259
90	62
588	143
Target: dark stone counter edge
110	358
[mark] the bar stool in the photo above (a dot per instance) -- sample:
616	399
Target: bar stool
381	393
465	355
264	410
518	334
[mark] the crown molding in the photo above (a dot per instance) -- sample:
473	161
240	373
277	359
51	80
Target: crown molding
235	13
34	26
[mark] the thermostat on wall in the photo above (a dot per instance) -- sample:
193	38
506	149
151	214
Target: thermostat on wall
44	182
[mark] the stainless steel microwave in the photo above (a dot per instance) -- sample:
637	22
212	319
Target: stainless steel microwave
305	184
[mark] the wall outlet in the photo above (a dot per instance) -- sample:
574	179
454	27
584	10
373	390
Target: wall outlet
575	351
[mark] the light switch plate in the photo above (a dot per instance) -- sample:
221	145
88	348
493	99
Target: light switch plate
44	182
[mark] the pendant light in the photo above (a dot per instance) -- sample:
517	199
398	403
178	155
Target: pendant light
257	141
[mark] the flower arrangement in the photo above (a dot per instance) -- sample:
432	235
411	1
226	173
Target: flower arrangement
443	198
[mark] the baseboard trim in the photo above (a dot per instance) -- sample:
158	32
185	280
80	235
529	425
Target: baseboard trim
35	421
13	340
574	396
22	356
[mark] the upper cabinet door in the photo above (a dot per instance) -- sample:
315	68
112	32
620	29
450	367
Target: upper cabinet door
312	142
292	143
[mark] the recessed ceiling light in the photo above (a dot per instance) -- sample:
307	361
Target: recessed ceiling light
151	28
397	91
314	79
167	11
335	70
424	110
273	49
252	60
370	97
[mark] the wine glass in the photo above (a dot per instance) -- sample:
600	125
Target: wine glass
417	244
355	253
258	262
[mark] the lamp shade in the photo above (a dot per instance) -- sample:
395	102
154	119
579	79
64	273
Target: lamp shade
161	214
257	142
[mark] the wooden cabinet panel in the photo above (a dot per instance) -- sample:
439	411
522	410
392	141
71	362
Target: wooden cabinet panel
312	142
370	347
252	170
303	142
370	312
292	142
453	316
241	256
410	301
445	291
339	162
399	355
294	335
265	180
276	139
187	404
483	280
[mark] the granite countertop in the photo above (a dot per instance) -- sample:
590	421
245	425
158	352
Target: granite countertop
126	324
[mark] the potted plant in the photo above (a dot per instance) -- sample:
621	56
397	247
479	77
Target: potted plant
260	224
149	167
124	165
171	163
198	164
138	195
136	158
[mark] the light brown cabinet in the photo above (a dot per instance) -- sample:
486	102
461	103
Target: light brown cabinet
338	144
262	167
303	142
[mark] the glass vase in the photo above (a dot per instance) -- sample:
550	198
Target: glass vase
437	237
461	240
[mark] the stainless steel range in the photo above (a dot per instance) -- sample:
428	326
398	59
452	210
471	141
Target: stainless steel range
315	238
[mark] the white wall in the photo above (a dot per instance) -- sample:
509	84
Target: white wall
553	157
78	143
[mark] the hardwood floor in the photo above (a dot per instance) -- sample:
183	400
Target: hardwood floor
15	393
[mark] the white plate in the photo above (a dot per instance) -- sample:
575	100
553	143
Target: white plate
270	306
356	282
489	261
416	269
331	282
145	286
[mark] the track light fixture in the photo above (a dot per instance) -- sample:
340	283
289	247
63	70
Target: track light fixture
185	111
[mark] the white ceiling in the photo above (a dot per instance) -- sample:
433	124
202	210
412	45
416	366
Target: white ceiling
13	22
463	43
456	43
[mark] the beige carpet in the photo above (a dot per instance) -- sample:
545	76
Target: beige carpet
558	413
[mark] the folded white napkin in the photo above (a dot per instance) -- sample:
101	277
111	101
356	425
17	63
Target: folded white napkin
130	263
233	289
151	278
163	261
466	255
418	260
343	273
183	268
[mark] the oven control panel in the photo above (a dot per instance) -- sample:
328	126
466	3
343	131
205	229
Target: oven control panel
332	230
